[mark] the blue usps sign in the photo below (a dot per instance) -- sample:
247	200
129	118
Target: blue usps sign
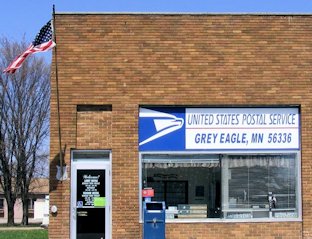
161	129
233	128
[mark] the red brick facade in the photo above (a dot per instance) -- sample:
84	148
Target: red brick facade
128	60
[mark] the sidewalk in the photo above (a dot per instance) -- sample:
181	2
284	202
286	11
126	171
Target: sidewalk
20	228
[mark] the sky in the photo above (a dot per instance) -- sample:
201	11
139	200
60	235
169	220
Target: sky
24	18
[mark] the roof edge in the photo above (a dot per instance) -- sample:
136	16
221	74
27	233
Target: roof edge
187	13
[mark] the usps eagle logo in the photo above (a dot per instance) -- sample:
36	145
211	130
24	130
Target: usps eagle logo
164	123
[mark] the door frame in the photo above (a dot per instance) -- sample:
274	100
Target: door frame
91	163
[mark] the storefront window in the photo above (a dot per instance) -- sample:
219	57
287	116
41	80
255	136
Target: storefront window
257	186
223	163
189	184
227	187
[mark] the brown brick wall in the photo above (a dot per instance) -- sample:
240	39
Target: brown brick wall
131	60
94	130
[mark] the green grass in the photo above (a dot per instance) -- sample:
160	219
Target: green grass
25	234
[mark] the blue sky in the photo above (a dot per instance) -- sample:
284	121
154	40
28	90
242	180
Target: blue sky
25	17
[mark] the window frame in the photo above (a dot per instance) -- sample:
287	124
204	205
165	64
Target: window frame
31	203
2	200
2	209
238	152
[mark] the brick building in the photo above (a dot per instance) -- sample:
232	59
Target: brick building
212	111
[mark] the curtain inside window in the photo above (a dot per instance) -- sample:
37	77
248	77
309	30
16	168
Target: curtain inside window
284	161
182	165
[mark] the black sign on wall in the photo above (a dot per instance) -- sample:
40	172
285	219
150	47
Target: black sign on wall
90	186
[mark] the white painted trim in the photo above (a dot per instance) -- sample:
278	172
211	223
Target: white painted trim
104	163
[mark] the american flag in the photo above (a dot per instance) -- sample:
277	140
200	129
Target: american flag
43	42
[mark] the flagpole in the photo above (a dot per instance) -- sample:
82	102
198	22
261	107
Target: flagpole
57	98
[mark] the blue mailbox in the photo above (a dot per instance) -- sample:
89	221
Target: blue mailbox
154	216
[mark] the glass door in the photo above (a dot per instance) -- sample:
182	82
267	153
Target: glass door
90	202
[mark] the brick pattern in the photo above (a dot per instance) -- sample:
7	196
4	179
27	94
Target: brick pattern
235	230
94	130
132	60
